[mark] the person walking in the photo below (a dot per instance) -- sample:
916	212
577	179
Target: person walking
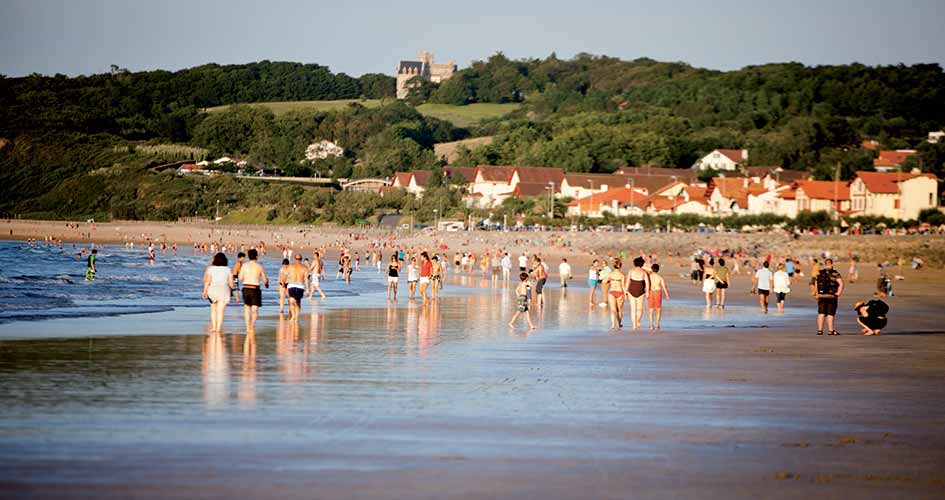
217	288
393	275
829	288
283	281
722	277
592	281
616	283
655	301
541	277
564	273
521	295
761	284
236	273
252	275
708	282
782	286
638	287
317	269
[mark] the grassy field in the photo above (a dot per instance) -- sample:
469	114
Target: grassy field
450	150
464	116
461	116
280	108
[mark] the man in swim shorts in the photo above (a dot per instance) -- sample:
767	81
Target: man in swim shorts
252	275
296	276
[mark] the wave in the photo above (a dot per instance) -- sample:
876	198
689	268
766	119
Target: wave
25	279
80	313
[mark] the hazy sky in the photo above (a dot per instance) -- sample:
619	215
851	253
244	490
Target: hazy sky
356	37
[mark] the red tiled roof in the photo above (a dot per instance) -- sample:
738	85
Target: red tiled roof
492	173
892	158
620	195
665	203
421	177
468	173
189	166
402	179
870	145
733	154
592	181
681	173
540	175
885	182
530	189
788	194
824	190
696	193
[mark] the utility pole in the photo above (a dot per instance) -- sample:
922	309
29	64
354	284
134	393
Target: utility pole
836	191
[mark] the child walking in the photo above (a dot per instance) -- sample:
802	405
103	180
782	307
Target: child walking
521	292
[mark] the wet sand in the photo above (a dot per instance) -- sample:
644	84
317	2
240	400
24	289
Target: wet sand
364	399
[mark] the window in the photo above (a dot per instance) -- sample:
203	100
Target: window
931	199
896	204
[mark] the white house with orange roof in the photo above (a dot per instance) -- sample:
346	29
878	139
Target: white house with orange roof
889	160
894	195
723	159
619	201
826	196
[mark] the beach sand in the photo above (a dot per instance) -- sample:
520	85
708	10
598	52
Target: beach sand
364	399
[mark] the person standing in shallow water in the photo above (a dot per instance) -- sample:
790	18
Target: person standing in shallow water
638	287
252	275
616	283
217	288
655	301
782	286
761	284
722	277
521	295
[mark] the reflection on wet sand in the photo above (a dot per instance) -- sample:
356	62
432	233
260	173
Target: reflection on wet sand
428	328
247	387
290	360
216	376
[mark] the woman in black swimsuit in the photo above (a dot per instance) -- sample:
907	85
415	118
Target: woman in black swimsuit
638	287
393	274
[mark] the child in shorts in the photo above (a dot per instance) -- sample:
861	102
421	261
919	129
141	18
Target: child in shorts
522	292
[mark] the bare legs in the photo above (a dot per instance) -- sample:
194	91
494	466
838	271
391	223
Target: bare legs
250	315
636	310
217	309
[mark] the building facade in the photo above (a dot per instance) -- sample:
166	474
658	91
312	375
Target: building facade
425	68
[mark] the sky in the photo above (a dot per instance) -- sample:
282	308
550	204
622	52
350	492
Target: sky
76	37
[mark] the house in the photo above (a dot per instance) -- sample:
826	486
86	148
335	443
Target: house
828	196
464	175
576	186
935	137
537	175
192	169
723	159
686	200
874	145
729	195
772	177
491	181
891	160
532	190
685	174
617	201
414	182
893	194
425	68
787	201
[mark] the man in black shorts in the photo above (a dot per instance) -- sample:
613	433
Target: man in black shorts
829	288
252	275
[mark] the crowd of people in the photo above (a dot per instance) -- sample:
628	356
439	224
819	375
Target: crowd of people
641	287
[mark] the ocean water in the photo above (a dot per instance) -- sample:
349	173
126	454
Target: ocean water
42	282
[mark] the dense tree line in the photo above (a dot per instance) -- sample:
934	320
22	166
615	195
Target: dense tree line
597	113
166	104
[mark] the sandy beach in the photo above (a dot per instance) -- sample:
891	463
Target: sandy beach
366	398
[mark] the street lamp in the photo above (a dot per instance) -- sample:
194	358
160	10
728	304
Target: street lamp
436	220
218	211
551	200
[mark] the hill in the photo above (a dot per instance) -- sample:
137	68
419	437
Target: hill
60	136
461	116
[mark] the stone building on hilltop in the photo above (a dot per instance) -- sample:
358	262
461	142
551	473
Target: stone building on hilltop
425	68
